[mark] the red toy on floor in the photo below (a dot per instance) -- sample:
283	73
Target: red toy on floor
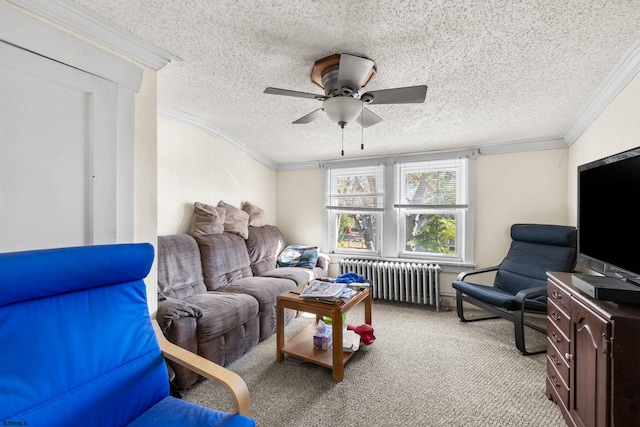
365	331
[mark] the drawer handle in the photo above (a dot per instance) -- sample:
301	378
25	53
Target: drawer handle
555	337
555	316
554	358
568	356
554	380
556	294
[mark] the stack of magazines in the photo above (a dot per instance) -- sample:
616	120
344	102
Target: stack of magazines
326	291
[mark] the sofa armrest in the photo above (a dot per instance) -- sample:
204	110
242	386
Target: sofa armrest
234	384
171	309
323	261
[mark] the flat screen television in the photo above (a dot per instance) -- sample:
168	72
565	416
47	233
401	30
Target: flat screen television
609	225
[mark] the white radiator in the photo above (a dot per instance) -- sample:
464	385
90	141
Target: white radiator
412	282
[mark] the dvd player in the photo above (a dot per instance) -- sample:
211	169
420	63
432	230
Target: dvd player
607	288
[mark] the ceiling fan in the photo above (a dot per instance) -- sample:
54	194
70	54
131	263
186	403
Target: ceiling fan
343	77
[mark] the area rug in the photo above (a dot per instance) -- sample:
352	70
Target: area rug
425	368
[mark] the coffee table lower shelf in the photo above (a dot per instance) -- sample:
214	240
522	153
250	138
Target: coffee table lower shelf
301	346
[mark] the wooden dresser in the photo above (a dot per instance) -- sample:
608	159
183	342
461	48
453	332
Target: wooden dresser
593	357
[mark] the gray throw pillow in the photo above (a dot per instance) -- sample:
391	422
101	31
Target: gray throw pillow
207	220
256	215
236	220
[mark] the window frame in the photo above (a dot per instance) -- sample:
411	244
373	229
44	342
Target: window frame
457	208
333	210
389	245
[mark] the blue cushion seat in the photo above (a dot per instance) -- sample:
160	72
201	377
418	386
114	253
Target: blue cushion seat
171	412
498	297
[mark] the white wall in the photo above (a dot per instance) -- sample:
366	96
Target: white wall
527	187
145	195
615	130
300	206
196	166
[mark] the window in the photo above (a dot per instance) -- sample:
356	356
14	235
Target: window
355	201
423	214
431	200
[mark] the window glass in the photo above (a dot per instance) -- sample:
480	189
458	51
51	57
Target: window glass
357	231
430	233
355	198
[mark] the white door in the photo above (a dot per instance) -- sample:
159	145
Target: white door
57	154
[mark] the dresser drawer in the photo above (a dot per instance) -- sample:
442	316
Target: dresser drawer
558	296
559	317
557	359
557	337
556	387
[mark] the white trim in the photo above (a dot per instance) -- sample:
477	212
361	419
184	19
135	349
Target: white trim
298	166
20	29
550	143
82	21
125	165
173	114
622	74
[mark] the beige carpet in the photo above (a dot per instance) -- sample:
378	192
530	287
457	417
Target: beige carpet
424	369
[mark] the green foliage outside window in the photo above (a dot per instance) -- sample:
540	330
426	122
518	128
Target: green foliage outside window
430	232
433	233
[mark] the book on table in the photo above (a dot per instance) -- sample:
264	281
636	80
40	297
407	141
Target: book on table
323	291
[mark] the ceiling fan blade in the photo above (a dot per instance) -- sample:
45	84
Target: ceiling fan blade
286	92
368	118
309	117
354	71
401	95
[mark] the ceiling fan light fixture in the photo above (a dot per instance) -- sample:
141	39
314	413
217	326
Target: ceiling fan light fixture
342	109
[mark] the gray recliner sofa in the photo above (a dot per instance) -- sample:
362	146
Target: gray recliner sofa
217	293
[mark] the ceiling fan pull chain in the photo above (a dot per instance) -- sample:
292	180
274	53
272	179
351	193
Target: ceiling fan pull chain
362	128
342	140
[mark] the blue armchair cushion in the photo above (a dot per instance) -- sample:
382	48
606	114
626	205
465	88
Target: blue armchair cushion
78	346
497	297
171	412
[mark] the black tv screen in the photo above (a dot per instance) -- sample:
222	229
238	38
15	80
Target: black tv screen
608	215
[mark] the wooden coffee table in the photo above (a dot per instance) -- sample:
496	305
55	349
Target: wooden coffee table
301	345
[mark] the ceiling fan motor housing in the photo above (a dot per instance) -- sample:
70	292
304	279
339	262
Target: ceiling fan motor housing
326	74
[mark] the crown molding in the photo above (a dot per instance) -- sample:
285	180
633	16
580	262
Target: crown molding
534	144
85	23
298	166
626	70
173	114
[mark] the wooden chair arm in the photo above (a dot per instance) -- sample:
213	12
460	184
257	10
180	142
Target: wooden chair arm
234	384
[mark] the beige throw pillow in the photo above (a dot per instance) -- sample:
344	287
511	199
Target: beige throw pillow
256	215
236	220
207	220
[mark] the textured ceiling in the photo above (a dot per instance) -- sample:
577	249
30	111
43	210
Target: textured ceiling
497	70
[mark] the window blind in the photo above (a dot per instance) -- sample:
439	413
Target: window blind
432	184
356	188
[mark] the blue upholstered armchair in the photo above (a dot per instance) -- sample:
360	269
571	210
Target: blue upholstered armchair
520	284
78	348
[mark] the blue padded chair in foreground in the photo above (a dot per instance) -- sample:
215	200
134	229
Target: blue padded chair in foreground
78	347
520	284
